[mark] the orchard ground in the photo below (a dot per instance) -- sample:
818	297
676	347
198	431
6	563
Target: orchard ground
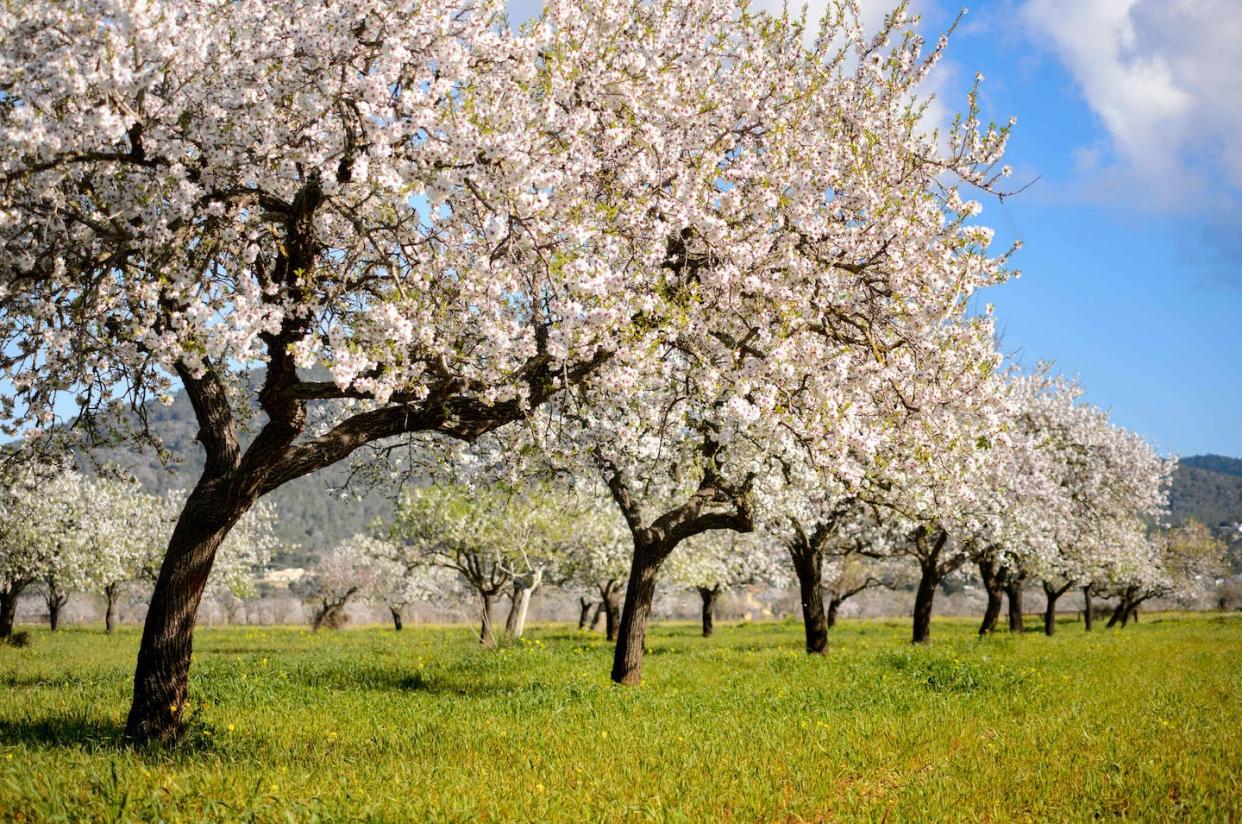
1143	723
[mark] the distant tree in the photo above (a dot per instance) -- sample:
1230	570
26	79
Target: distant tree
717	562
396	585
600	564
32	497
1181	563
343	572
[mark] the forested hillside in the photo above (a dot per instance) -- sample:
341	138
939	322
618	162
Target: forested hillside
1208	488
313	515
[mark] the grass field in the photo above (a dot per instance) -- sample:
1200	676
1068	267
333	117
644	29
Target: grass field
368	724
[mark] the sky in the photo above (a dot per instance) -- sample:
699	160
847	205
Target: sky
1130	125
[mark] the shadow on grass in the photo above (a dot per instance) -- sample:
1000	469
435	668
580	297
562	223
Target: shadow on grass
95	735
61	731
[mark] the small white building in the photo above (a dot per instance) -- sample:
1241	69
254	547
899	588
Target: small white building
282	578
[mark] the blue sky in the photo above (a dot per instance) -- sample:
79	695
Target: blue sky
1130	114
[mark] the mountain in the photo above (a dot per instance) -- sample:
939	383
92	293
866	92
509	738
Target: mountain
1215	463
313	515
1207	488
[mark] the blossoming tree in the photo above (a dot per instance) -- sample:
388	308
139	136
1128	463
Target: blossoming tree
454	219
719	561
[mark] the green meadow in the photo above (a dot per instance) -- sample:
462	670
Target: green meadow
368	724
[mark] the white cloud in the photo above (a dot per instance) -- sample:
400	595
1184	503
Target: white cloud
1165	78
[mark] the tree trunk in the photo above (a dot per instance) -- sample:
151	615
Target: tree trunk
1050	610
709	608
600	609
511	618
923	599
163	669
585	606
1013	589
8	606
486	638
993	584
55	600
521	604
1118	613
612	612
809	566
110	593
834	606
1088	610
627	662
396	618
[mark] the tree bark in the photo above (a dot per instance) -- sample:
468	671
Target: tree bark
923	599
162	673
1088	616
511	619
585	606
55	600
612	610
809	566
834	606
1052	594
708	594
110	593
627	663
994	584
396	618
1050	611
1120	612
8	606
600	608
1013	589
521	604
486	637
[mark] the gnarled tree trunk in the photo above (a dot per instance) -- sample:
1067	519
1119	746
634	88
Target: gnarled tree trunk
924	596
110	595
1052	594
708	594
396	618
612	610
994	585
1088	612
523	588
627	664
8	605
584	605
163	668
1013	590
55	598
809	566
486	637
834	606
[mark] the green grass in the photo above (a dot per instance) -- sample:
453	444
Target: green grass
1142	724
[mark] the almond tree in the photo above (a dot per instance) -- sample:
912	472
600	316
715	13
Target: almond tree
467	529
396	586
600	562
39	508
1179	562
124	528
57	512
341	573
455	220
1082	490
718	562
